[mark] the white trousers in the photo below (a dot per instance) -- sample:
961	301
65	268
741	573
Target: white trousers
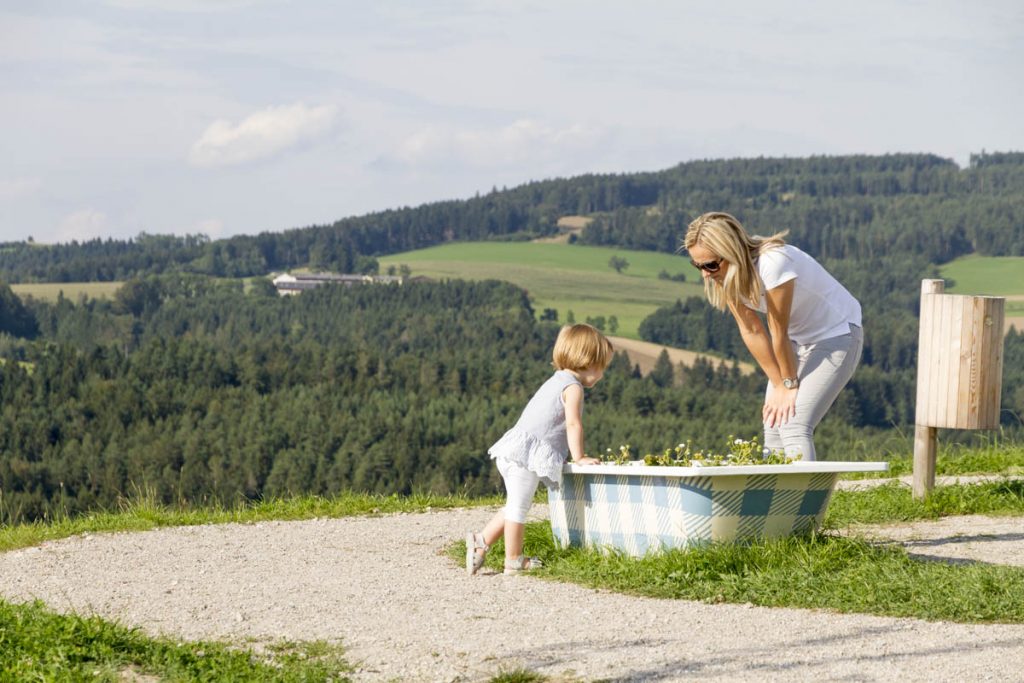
823	368
520	486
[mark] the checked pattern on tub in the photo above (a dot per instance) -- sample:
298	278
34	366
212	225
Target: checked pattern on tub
640	513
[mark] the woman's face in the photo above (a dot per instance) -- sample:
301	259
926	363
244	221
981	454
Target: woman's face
702	256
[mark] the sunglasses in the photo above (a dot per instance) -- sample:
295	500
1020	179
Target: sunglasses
708	266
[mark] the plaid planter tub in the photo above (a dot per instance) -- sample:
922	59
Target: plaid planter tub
637	508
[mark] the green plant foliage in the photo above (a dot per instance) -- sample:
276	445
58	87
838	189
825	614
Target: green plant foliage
737	452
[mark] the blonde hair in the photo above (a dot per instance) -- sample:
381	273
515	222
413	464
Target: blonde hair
722	234
581	346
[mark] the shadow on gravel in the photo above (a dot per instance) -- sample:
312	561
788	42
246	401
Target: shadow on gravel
962	538
800	658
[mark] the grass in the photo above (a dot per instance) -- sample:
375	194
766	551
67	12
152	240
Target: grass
49	291
564	277
987	275
143	512
822	571
39	645
894	503
983	456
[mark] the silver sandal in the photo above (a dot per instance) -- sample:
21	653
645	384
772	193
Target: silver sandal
476	552
522	564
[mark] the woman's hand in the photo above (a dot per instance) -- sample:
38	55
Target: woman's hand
779	406
586	460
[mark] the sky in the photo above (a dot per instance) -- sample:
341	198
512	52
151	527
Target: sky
224	117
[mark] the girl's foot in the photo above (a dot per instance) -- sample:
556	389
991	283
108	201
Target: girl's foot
476	552
522	564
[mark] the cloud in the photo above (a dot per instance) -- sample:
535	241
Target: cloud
182	5
260	135
82	225
18	187
524	140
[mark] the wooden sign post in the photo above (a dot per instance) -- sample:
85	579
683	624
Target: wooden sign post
959	371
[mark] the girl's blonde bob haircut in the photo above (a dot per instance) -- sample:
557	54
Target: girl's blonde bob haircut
581	346
723	235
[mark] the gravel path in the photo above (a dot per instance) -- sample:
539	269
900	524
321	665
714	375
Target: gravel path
384	588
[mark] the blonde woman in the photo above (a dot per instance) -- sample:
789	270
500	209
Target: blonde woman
813	339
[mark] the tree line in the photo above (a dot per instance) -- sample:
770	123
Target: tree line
203	389
207	392
847	207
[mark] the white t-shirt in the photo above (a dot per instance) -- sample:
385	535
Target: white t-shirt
822	307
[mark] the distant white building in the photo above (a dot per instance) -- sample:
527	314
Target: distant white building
288	283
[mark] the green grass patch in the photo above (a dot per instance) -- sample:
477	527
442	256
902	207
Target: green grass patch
822	571
894	503
564	277
49	291
957	459
518	676
39	645
142	513
986	275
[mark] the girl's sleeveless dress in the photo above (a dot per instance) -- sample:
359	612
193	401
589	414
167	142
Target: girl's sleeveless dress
538	441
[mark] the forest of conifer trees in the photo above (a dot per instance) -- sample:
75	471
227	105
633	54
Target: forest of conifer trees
197	388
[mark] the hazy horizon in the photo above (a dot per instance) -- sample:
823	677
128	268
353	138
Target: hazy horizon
226	117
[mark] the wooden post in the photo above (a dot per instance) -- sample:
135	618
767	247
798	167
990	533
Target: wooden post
925	439
925	443
959	371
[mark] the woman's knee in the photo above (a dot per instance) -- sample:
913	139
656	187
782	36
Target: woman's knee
794	430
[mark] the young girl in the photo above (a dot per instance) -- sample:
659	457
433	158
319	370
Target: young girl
534	450
813	340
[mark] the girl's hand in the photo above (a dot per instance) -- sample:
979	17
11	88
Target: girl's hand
586	460
779	406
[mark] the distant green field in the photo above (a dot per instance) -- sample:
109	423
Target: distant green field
564	277
986	275
989	276
49	291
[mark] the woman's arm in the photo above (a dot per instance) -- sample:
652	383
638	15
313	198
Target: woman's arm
757	341
780	303
572	397
772	350
780	405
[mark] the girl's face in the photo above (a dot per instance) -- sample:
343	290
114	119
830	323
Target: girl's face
706	260
590	376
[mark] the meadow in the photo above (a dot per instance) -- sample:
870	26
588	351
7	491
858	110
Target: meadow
565	277
578	278
50	291
986	275
990	276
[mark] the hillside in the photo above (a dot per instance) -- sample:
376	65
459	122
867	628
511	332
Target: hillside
190	384
852	207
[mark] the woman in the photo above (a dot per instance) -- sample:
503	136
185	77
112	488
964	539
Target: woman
814	338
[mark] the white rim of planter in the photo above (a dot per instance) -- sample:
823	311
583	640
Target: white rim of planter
637	467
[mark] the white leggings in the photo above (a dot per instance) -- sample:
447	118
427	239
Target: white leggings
520	485
824	368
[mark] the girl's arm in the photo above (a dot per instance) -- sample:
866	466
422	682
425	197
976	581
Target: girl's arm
572	397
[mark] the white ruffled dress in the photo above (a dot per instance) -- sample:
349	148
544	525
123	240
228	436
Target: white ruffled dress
538	440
